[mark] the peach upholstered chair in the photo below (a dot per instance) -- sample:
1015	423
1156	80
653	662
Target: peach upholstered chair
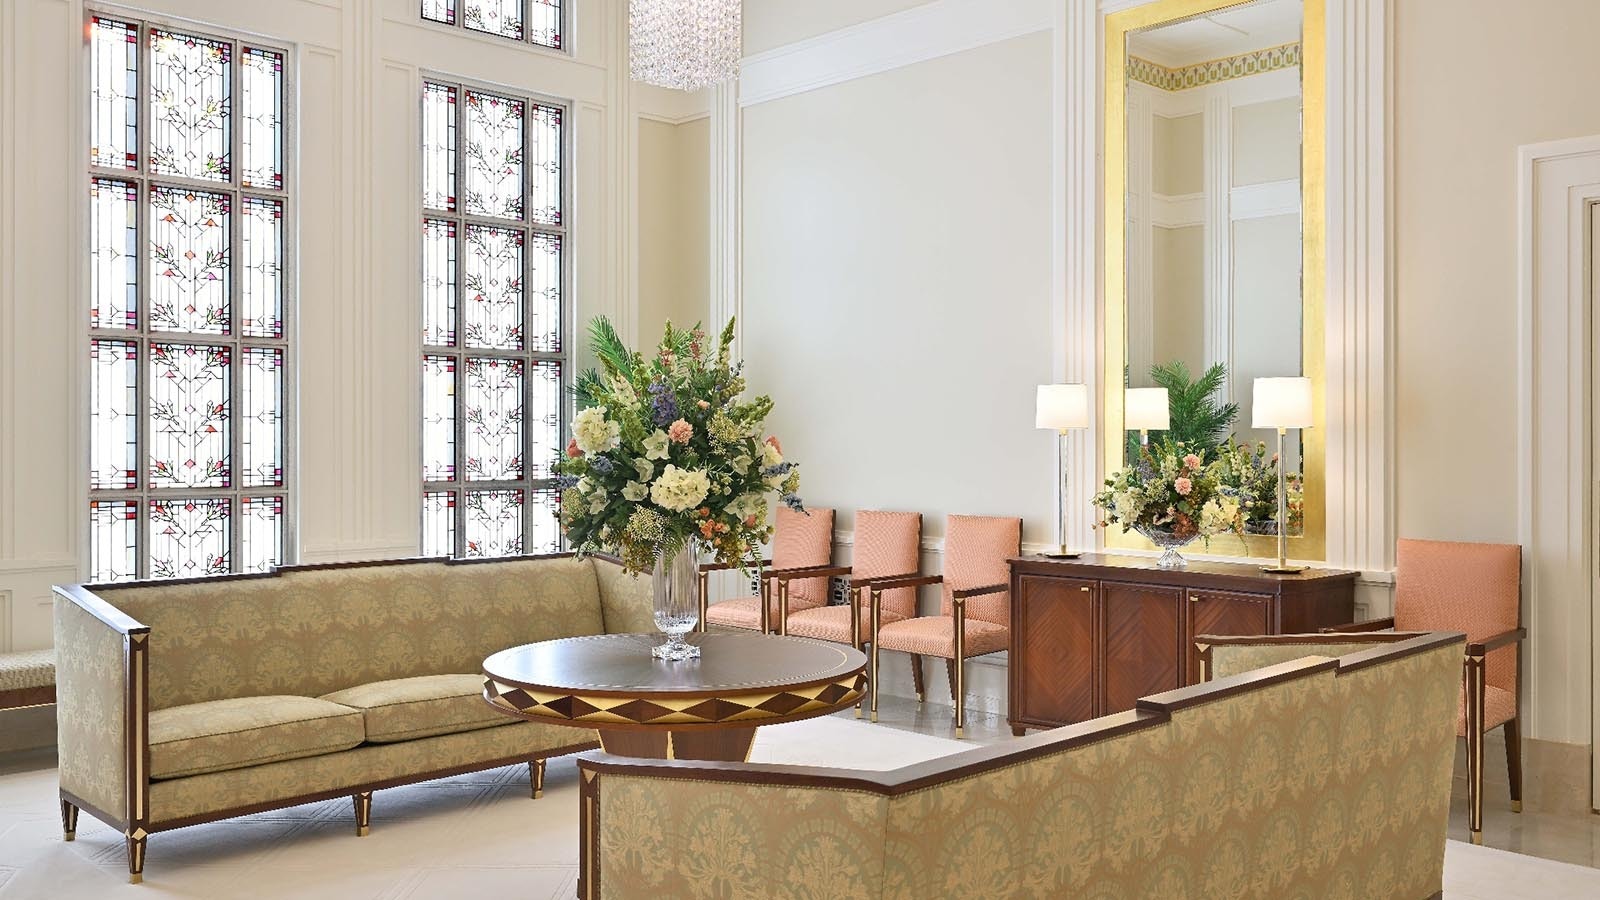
1476	589
887	545
802	543
974	613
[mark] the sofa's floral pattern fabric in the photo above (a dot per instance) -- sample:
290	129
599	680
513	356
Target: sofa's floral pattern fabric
316	631
27	669
409	708
626	600
91	708
247	731
1326	785
200	794
664	839
1232	659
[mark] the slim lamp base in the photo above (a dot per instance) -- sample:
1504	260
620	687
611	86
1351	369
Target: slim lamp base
1283	570
1063	553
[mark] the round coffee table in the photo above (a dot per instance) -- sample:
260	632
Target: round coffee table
706	708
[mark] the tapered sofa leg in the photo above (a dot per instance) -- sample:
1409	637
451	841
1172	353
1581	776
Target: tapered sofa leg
136	858
69	821
363	805
536	777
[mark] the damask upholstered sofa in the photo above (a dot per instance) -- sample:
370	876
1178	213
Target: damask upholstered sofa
182	702
1293	775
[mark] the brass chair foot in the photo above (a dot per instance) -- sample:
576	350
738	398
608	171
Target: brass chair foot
960	732
921	696
136	878
874	716
1477	838
69	835
363	830
1516	806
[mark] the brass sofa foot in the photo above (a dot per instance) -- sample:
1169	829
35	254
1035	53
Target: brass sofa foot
136	858
1516	806
69	821
363	805
536	777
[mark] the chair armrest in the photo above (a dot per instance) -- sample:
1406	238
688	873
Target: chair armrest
1358	627
804	572
964	593
102	707
1479	648
870	580
719	566
885	584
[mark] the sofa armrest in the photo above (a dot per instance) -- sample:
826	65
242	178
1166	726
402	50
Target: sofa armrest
102	707
1225	655
626	601
1360	627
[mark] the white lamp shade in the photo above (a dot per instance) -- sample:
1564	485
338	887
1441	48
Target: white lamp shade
1062	406
1146	409
1281	403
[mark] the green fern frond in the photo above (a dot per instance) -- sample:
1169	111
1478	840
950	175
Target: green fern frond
614	356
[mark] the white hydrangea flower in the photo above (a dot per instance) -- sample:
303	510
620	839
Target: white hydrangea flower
655	446
645	468
635	491
679	489
741	464
593	432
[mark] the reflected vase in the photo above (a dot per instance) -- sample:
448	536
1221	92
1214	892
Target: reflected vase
675	582
1170	544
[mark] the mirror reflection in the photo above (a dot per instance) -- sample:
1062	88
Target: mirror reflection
1214	255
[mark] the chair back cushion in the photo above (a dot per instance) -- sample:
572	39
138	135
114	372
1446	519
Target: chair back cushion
888	543
976	549
1454	586
803	539
315	630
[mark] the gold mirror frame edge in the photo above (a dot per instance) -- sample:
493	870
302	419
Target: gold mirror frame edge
1311	545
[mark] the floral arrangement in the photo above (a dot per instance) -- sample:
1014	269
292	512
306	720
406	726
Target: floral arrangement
1172	490
664	452
1249	473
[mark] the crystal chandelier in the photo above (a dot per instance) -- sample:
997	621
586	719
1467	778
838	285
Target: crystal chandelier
684	44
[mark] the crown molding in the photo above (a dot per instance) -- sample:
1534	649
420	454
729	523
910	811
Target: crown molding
916	35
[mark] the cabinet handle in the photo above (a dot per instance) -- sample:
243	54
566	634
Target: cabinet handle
1085	590
1196	598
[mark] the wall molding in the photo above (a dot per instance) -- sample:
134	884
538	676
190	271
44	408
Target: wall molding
726	240
1558	187
901	39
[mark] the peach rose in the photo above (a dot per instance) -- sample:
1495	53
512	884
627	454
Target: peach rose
1183	485
572	449
774	442
679	432
1191	461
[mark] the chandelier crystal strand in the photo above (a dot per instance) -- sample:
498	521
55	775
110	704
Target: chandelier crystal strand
684	44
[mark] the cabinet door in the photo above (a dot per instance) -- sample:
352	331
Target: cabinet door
1224	612
1053	635
1142	637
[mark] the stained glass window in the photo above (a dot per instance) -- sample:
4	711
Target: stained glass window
494	394
534	21
189	302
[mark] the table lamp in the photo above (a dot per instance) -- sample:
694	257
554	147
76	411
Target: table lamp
1062	407
1146	409
1282	403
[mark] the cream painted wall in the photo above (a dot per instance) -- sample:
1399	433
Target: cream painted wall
896	284
1177	264
359	66
674	226
773	23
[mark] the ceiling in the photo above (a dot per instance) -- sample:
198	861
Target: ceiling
1253	26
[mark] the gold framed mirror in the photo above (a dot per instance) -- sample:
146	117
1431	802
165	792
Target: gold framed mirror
1209	105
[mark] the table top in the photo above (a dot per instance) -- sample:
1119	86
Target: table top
621	665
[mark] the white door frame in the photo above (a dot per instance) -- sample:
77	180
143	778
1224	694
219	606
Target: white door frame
1557	184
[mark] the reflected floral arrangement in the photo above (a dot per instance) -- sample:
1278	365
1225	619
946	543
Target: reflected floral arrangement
1250	473
1172	490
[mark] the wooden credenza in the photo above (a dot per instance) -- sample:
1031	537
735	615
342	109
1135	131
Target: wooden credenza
1090	636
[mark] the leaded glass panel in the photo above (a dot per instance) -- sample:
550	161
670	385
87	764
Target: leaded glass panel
544	141
189	416
438	146
493	523
544	415
501	17
190	105
439	11
261	533
113	415
438	282
261	261
113	540
494	155
544	23
544	521
189	260
438	418
114	95
494	420
190	537
543	292
261	116
261	426
113	254
439	523
492	314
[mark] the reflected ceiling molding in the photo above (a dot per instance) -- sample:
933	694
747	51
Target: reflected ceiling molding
1242	65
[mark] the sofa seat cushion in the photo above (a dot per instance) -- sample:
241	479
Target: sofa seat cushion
424	706
219	735
27	669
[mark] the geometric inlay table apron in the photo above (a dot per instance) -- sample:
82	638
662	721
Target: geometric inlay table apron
705	708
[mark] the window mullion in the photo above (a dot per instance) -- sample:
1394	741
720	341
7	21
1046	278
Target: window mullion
142	234
459	338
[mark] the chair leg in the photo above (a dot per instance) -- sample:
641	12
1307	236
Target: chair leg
863	701
1514	763
1474	676
136	858
69	821
958	689
536	777
916	678
363	804
877	623
950	679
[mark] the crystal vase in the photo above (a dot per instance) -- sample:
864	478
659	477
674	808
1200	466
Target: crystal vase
677	604
1169	544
